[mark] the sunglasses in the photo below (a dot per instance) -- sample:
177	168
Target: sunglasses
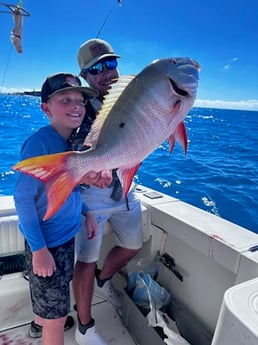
99	67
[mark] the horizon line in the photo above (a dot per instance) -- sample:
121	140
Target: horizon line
202	103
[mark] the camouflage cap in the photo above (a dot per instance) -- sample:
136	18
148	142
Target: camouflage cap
94	50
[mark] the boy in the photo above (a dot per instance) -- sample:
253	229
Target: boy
50	244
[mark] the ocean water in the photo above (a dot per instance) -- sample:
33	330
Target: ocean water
219	174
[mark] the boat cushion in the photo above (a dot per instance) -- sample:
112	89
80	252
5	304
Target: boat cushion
11	239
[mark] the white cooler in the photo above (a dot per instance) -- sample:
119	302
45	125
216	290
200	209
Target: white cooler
238	318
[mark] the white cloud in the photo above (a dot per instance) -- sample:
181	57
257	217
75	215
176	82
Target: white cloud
4	89
244	105
229	65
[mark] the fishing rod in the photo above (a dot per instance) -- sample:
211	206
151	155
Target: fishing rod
118	3
10	9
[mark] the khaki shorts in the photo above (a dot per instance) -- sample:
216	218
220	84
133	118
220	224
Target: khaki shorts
125	218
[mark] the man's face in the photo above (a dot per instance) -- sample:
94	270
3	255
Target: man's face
101	75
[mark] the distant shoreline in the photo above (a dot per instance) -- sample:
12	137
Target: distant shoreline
23	93
251	105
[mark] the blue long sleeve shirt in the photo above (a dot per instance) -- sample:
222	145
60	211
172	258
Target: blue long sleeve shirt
31	199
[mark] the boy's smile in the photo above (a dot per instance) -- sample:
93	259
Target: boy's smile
66	111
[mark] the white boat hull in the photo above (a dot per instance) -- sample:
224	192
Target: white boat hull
217	260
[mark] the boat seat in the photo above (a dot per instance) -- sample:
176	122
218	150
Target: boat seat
12	256
14	288
11	239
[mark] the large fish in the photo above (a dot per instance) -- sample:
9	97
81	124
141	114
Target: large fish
138	114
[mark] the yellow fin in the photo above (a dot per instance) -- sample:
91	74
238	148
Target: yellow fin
109	100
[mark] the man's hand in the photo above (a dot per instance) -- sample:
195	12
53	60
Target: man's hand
91	225
98	179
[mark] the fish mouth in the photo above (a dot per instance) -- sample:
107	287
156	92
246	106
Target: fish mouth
177	89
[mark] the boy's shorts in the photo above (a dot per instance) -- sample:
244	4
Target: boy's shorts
125	221
50	296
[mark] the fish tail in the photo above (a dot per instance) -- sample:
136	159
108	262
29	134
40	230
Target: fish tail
54	172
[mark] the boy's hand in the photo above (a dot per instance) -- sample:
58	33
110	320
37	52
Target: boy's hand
43	263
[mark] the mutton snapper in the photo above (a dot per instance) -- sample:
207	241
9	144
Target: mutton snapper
137	115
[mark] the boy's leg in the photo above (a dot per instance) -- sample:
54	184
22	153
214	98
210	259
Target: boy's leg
55	288
53	331
35	330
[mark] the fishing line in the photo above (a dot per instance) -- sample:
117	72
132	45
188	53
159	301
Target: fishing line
118	3
7	64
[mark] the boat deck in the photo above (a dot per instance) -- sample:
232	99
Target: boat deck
216	260
108	323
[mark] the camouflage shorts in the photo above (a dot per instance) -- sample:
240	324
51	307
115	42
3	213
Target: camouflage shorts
50	296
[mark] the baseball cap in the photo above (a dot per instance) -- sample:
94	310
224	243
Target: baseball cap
62	82
93	50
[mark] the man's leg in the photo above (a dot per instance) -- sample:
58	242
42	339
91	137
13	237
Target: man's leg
83	285
126	222
115	260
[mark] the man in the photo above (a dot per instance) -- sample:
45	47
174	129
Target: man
98	67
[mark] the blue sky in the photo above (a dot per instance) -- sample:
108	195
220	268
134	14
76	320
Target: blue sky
221	35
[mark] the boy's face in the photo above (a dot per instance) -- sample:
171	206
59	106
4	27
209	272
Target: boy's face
65	111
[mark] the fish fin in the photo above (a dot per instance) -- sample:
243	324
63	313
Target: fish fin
179	134
109	100
54	172
126	176
171	141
